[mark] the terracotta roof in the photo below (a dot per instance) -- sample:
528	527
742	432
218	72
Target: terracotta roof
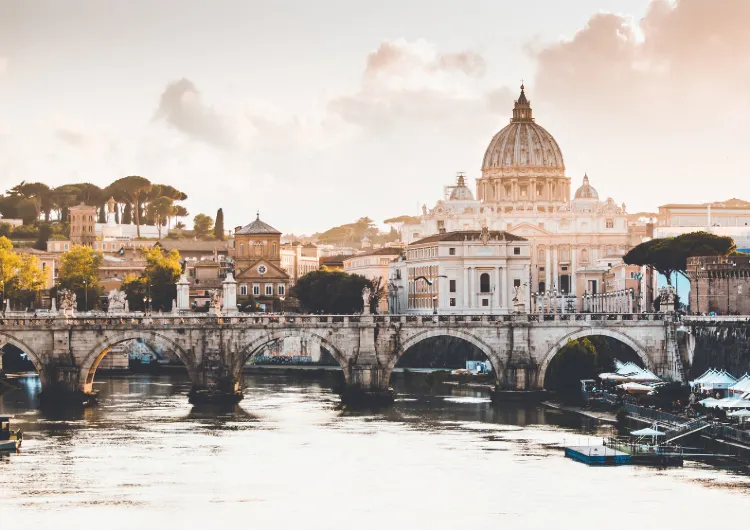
334	260
257	227
385	251
469	235
191	245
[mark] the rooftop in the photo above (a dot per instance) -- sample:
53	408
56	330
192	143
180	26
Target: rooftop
257	227
728	204
192	245
470	235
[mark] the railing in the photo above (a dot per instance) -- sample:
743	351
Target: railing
727	432
94	320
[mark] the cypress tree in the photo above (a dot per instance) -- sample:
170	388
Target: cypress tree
127	215
219	225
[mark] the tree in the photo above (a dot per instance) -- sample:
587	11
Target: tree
670	254
162	271
202	225
78	272
20	274
331	292
219	226
45	232
132	187
160	209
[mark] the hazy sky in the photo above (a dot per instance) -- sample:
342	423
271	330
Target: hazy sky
319	112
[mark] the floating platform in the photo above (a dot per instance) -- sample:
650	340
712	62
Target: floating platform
597	455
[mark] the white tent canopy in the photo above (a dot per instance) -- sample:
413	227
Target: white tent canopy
630	372
743	413
648	431
714	379
741	386
635	388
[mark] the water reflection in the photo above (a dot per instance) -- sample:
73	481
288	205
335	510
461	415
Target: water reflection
290	455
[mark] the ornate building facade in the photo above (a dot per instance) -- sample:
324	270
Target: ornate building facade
523	190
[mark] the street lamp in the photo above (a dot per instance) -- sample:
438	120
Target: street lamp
86	294
282	297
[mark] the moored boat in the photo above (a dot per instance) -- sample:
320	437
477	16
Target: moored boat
9	440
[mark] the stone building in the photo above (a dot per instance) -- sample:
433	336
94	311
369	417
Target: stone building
523	190
728	218
257	265
298	259
466	272
83	224
374	265
719	284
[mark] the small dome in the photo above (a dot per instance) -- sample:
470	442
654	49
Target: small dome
461	192
586	191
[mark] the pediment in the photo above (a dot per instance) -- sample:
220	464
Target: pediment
528	230
251	271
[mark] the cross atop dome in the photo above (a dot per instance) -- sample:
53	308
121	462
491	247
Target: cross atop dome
522	108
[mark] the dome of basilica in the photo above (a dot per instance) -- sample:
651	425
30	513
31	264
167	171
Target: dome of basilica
586	191
461	192
523	143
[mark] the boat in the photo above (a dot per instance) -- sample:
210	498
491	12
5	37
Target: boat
9	440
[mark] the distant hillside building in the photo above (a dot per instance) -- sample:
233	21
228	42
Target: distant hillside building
83	224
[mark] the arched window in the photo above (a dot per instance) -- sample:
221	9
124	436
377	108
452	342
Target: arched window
584	255
484	283
258	248
540	258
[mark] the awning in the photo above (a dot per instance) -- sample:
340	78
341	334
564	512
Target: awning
635	388
648	431
744	413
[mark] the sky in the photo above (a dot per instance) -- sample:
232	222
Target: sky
318	113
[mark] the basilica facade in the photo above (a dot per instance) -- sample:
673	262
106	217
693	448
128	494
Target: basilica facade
523	190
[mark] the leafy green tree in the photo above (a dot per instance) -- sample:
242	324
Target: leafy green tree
669	255
20	274
202	225
45	232
159	210
78	272
132	187
5	229
219	226
136	290
162	271
331	292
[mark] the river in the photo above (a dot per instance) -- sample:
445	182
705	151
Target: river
288	457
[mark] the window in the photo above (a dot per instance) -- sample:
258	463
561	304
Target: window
453	286
516	251
269	289
453	302
451	251
258	248
540	256
281	290
516	283
243	289
256	289
242	249
485	302
610	223
484	283
584	255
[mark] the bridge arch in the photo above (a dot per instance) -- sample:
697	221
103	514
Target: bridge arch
21	345
593	332
91	362
258	344
486	349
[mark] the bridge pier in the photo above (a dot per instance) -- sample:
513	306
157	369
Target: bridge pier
215	383
61	387
366	385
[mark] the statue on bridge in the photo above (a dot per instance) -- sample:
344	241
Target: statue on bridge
214	306
116	302
519	302
366	300
67	302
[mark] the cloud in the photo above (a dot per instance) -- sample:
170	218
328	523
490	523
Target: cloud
71	138
181	107
655	104
408	82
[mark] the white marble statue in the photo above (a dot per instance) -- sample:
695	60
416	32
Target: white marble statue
117	301
366	300
519	302
67	302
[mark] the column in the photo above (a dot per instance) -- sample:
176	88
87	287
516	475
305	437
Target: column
229	298
496	294
471	287
183	294
505	297
527	279
573	265
466	288
548	269
555	277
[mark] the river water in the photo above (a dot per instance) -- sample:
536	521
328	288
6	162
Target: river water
289	457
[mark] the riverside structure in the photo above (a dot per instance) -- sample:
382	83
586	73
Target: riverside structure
66	351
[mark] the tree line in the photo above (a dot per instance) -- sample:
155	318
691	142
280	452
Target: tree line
137	201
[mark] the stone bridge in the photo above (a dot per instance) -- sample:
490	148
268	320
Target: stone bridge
67	351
